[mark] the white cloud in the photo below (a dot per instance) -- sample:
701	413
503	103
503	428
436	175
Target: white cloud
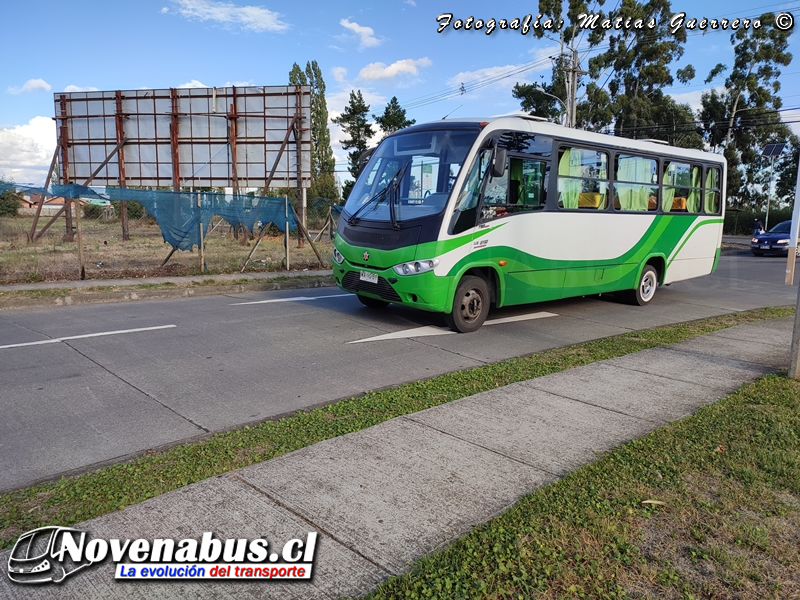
26	150
164	10
77	88
544	55
248	83
379	70
693	99
339	73
193	84
366	35
30	86
249	18
495	78
411	2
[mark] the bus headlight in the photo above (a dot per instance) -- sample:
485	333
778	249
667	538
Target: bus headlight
416	266
337	256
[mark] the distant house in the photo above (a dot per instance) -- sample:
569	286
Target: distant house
51	205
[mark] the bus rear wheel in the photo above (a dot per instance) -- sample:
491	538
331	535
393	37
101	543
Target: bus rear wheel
372	302
470	305
646	289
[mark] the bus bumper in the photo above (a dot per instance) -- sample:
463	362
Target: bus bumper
424	291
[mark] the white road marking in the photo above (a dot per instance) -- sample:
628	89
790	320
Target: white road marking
293	299
528	317
86	335
408	333
429	330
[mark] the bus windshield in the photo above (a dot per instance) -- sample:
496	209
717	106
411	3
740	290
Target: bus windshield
423	165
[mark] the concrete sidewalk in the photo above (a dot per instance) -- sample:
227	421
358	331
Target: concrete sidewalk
385	496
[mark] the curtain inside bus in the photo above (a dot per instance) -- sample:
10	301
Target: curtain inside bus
570	165
693	197
639	170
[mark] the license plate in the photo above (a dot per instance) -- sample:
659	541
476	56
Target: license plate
367	276
765	246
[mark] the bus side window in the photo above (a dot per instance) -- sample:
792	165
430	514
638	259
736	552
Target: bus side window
712	188
522	188
465	214
681	188
582	179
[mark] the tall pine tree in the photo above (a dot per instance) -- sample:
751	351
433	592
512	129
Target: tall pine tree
323	181
358	130
393	118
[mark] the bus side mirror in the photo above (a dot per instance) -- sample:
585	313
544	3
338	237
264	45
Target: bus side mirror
499	162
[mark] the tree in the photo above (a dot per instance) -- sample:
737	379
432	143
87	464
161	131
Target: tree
638	62
359	131
545	99
323	181
743	117
393	118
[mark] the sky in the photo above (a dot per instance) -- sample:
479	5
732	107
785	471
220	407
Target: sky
385	49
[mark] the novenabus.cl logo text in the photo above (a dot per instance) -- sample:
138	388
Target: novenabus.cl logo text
49	554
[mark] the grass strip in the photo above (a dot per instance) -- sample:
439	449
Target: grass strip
74	499
705	507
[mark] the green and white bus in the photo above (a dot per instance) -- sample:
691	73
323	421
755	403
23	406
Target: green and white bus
457	216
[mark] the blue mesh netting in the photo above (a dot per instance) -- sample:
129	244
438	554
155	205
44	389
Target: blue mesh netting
179	214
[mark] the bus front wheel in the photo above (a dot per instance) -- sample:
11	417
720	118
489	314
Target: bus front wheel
646	289
470	305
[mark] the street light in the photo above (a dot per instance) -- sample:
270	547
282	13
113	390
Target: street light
541	91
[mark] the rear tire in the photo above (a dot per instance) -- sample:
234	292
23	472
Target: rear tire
372	302
644	292
470	305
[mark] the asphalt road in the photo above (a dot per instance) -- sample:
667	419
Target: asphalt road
169	371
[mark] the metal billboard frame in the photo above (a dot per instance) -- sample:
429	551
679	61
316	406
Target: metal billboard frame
186	137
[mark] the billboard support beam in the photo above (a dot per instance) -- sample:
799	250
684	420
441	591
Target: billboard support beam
44	194
123	205
299	154
64	139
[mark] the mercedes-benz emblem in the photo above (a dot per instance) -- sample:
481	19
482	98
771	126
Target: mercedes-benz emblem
366	256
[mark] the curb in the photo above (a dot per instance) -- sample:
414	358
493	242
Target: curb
71	298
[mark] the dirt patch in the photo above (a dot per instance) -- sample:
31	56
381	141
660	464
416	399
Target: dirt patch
106	256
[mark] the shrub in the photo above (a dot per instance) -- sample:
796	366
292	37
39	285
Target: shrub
9	203
135	210
92	211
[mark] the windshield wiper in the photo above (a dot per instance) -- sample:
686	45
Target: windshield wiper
361	208
378	196
395	195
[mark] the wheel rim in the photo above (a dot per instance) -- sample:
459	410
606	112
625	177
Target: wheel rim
471	306
648	286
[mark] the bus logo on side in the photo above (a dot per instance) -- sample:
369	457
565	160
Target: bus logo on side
38	556
480	243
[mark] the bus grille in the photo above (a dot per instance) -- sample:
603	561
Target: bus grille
383	288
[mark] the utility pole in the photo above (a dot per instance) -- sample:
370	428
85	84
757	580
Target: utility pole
572	72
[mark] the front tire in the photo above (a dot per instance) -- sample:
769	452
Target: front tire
470	305
372	302
646	289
